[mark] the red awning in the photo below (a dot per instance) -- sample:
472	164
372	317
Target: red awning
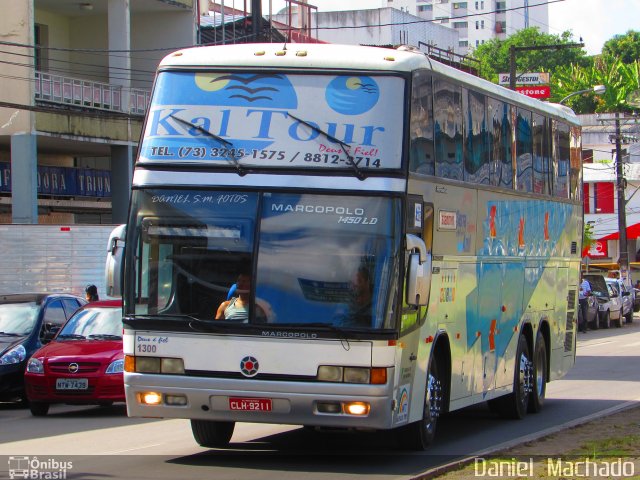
633	232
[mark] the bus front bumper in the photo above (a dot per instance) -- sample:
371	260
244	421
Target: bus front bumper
294	403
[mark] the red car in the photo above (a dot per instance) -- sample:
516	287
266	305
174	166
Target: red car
83	364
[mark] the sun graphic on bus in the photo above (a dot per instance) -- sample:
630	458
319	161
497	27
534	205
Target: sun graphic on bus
352	95
210	82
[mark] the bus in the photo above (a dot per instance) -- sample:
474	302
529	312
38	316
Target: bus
405	236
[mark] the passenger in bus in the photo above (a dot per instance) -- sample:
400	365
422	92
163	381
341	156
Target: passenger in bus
359	312
237	307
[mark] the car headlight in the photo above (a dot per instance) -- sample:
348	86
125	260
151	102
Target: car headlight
34	365
117	366
15	355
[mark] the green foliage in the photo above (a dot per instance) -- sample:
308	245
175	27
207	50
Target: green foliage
618	77
625	47
494	55
587	236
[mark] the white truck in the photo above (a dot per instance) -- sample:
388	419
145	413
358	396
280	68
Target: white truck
53	258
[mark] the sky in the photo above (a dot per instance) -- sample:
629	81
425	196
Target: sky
596	21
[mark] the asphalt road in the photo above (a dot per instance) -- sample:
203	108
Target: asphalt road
102	443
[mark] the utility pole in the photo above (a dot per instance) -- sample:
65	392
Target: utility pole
512	56
621	184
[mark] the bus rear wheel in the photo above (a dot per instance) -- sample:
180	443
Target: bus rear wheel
539	387
516	404
419	435
212	434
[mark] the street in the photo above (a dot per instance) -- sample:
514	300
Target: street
103	442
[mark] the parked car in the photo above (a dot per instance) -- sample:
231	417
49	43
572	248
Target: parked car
83	364
636	300
626	297
609	301
26	321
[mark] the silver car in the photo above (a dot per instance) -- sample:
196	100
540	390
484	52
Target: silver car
609	301
626	297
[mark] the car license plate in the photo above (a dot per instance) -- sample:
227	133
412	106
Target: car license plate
72	384
250	404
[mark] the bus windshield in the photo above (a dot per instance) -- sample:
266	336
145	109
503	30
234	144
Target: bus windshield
316	260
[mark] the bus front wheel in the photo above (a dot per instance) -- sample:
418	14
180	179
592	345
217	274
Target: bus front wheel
419	435
212	434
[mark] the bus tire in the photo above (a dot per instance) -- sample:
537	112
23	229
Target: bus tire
539	377
212	434
516	404
419	435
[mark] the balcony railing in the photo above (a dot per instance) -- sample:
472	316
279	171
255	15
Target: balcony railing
88	94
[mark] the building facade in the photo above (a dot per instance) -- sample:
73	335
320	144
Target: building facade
601	182
377	26
479	21
75	85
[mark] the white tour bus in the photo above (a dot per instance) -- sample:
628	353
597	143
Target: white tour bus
406	239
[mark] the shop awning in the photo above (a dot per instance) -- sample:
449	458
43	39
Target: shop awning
633	232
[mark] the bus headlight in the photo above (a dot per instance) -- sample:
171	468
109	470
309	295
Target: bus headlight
171	366
365	375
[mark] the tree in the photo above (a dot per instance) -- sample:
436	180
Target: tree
624	47
619	79
494	55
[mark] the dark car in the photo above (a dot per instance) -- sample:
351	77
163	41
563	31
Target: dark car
83	364
27	320
592	309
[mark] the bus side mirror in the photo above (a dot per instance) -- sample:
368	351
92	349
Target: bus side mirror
115	257
418	272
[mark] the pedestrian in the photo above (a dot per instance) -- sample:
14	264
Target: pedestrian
583	294
91	293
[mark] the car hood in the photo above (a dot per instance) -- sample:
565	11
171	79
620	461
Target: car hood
7	343
88	350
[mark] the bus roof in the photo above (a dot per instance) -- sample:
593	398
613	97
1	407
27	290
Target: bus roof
348	57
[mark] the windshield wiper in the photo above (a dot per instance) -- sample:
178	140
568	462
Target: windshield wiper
9	334
104	336
218	138
73	336
345	146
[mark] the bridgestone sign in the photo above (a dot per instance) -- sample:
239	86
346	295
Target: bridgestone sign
540	78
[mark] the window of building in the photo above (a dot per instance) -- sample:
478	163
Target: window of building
442	19
482	24
501	26
460	24
425	8
463	43
477	25
41	33
501	7
458	5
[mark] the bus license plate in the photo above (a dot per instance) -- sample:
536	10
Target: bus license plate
72	384
250	404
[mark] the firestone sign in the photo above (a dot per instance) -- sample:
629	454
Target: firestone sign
539	91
